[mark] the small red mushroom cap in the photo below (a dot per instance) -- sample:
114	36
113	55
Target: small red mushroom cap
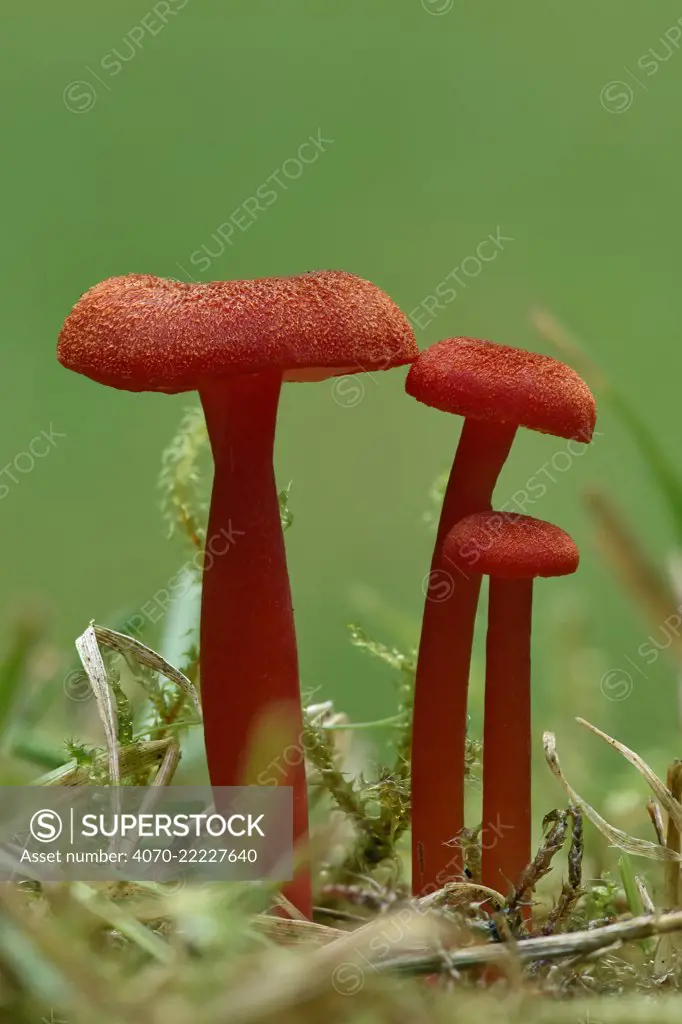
487	381
510	546
144	333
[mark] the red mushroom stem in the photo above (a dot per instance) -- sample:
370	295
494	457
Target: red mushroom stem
442	679
249	661
506	837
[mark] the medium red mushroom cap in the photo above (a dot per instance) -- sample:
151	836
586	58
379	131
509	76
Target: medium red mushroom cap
510	546
144	333
487	381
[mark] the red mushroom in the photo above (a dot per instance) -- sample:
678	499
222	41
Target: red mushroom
497	389
235	342
512	550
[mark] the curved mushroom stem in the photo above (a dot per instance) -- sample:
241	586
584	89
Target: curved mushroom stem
442	679
249	662
506	835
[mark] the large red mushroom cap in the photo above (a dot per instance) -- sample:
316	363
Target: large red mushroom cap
144	333
510	546
487	381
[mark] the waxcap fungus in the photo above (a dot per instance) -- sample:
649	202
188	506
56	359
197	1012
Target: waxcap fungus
145	333
487	381
510	546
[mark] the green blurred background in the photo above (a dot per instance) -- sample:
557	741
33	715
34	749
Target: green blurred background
449	121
